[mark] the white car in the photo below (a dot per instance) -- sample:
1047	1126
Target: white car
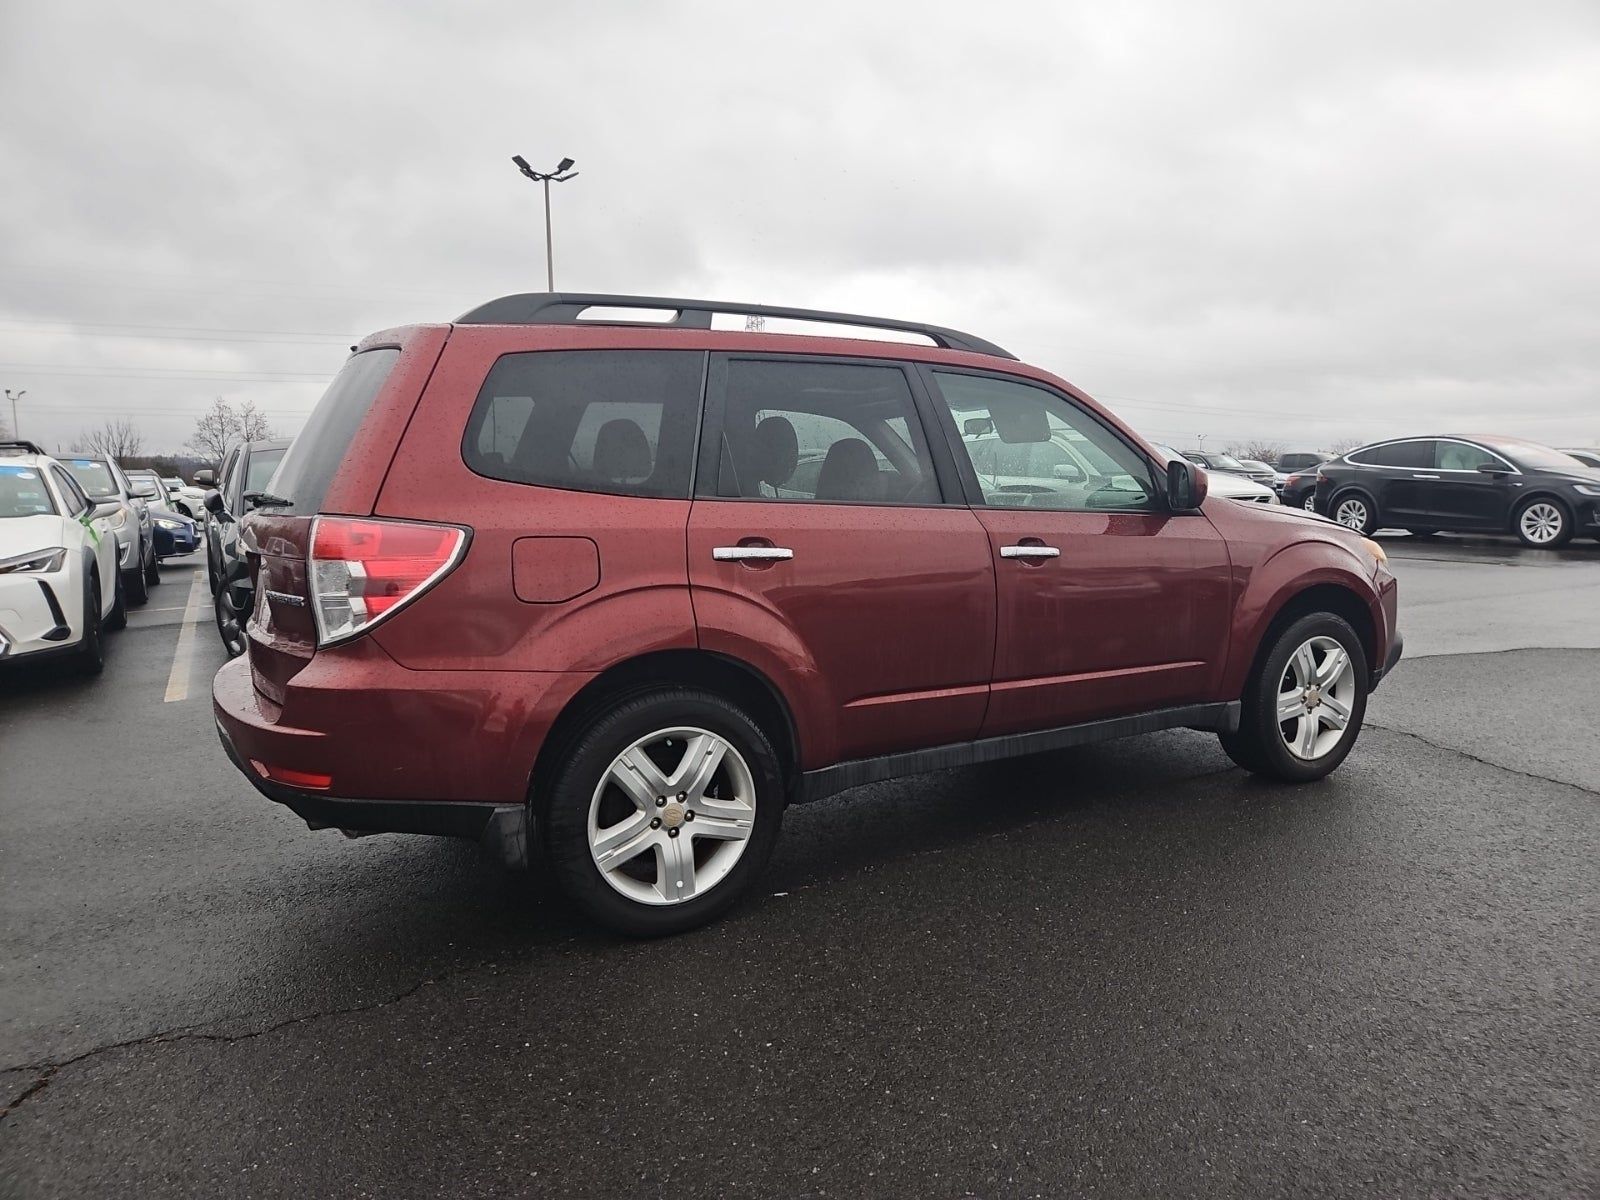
60	586
1229	486
185	498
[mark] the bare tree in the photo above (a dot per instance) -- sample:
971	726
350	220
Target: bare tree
253	424
213	430
119	438
1345	444
1259	449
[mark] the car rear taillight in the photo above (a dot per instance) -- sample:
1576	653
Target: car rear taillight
361	570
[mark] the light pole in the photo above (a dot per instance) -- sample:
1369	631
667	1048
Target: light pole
561	174
14	397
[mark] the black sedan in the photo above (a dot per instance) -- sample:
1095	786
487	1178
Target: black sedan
1464	484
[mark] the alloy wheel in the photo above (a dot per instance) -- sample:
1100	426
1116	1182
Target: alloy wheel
1542	523
1311	502
1352	513
1316	697
671	816
231	617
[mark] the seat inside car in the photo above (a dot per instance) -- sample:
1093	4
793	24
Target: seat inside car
774	454
849	472
622	452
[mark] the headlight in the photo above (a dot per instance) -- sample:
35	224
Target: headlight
1372	548
169	523
39	560
1586	489
117	519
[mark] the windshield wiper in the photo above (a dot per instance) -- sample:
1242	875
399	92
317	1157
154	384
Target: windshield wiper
267	500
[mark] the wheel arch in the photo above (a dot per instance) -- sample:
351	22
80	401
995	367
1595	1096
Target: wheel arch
1345	490
1534	497
1322	596
723	675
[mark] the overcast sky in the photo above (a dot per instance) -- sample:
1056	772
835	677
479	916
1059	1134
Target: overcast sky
1294	221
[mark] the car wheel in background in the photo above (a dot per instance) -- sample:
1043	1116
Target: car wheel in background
152	569
232	610
1310	504
1355	510
1303	709
134	587
664	812
91	656
1543	523
117	618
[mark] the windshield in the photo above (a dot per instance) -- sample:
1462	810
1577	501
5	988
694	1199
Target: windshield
93	476
23	493
1225	462
1532	456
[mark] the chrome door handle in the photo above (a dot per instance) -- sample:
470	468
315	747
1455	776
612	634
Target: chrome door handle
1424	477
1029	552
750	553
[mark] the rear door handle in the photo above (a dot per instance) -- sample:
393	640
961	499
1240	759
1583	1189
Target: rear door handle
1027	551
1424	477
750	553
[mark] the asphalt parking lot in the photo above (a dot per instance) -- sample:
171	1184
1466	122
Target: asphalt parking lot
1120	970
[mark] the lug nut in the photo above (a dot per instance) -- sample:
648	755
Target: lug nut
655	823
672	833
661	801
683	795
689	815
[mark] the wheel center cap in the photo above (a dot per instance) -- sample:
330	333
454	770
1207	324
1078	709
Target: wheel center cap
672	815
1313	696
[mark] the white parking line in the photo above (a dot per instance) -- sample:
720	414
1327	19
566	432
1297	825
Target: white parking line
178	677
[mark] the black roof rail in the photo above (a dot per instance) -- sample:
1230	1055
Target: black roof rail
564	308
19	444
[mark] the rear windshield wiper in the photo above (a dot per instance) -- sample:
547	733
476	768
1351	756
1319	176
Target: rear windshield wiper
267	500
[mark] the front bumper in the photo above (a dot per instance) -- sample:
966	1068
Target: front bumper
173	542
35	618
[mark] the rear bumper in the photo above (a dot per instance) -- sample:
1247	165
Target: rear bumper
397	751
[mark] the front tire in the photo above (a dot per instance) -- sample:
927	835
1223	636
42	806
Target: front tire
117	618
663	813
1543	524
152	569
91	656
1355	510
1302	711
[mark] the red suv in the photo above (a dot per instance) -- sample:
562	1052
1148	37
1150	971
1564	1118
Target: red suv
591	578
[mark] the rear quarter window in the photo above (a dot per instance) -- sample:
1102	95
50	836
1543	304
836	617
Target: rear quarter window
617	421
313	458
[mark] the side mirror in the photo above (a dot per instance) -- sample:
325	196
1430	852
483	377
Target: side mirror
205	479
214	504
1492	468
1187	485
1070	472
106	508
146	493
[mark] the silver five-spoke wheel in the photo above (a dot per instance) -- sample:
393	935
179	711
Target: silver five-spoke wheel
1542	523
1316	697
671	815
1311	502
1352	513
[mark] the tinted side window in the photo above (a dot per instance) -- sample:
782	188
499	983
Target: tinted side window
841	432
1461	456
71	494
314	456
1029	446
1397	454
619	421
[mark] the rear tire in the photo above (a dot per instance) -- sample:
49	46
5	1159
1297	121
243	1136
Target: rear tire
1290	690
646	743
133	586
1310	502
231	617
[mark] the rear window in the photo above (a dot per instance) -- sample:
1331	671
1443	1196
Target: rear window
618	421
311	461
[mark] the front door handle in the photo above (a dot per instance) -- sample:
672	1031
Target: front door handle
750	553
1029	551
1424	477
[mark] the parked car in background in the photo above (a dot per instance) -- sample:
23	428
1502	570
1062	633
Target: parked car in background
1293	461
1230	487
246	468
1299	490
550	582
1214	462
60	582
104	481
1588	457
1261	472
1467	484
174	533
185	499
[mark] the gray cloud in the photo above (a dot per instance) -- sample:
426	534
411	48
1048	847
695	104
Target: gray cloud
1234	219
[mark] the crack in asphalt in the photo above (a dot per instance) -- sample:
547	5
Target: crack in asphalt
1478	758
